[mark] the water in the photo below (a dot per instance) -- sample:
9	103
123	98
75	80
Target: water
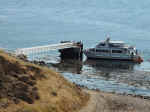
30	23
110	76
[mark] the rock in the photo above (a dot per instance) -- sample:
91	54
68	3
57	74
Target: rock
54	93
22	57
27	79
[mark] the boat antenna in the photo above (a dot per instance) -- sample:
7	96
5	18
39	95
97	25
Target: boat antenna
108	38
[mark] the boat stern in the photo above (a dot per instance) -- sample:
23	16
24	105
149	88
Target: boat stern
138	59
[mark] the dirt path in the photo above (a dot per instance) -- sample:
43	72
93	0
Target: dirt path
107	102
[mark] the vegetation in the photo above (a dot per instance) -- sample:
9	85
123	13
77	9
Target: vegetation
26	87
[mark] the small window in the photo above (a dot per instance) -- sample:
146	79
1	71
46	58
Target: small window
104	51
92	49
116	51
102	44
111	45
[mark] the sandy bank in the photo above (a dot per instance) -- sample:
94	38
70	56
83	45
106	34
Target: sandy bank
107	102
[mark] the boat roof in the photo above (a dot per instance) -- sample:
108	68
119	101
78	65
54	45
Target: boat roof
116	42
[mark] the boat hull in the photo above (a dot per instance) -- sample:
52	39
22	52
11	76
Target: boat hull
102	58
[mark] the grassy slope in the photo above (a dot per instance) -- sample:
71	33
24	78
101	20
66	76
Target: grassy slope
25	87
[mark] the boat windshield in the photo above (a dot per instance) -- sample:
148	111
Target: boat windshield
117	45
102	44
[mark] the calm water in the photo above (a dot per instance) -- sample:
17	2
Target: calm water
29	23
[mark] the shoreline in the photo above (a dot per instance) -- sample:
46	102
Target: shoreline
122	94
111	102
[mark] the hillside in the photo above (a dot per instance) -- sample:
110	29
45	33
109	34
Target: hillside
25	87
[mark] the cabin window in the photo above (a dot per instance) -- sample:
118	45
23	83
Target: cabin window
115	45
104	51
92	49
116	51
102	44
111	45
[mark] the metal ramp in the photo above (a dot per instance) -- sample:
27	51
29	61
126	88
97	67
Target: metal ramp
40	49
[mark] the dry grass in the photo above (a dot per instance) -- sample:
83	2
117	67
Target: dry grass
47	90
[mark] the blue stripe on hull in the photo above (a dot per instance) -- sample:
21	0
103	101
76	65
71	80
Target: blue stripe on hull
110	59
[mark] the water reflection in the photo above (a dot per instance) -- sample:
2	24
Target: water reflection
68	65
110	65
109	69
103	67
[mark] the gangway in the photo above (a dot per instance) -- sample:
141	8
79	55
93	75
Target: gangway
46	48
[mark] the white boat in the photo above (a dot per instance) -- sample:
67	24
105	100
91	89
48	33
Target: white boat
117	50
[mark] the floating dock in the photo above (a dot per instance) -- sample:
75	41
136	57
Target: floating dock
72	53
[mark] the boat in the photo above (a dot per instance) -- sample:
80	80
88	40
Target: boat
114	50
